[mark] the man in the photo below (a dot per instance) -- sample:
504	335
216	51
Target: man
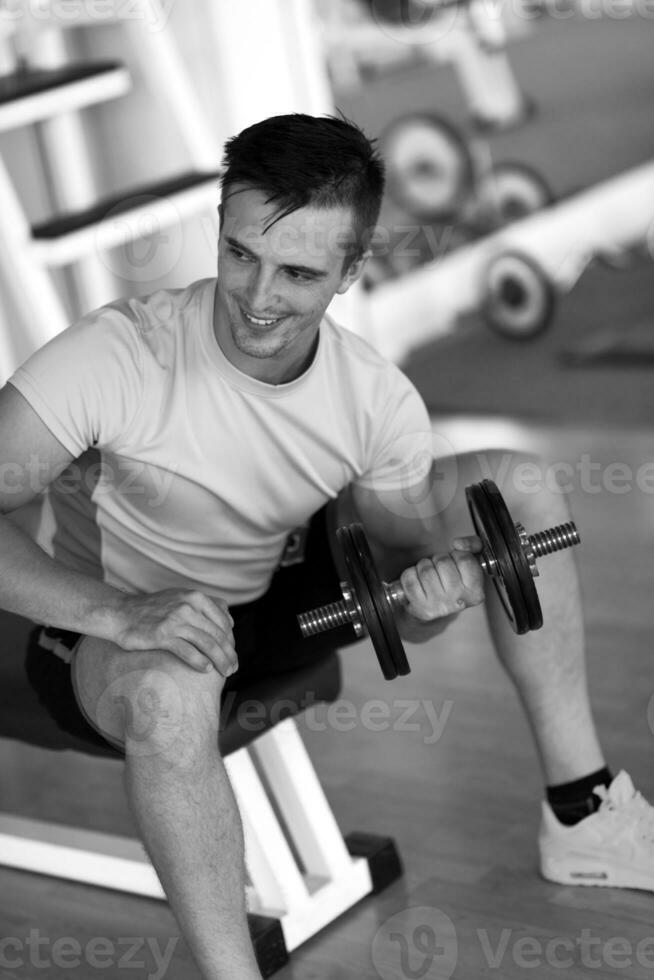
181	438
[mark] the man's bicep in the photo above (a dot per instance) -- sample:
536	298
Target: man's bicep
402	525
30	455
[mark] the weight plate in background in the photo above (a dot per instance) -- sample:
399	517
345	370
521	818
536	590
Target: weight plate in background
428	166
512	191
518	300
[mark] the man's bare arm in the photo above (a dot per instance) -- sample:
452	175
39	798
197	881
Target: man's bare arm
192	626
440	578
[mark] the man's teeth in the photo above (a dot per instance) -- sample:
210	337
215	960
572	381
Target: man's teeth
258	322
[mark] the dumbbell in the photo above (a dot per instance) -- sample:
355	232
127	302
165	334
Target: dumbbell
508	557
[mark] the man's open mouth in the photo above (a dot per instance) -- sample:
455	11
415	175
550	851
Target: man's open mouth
260	321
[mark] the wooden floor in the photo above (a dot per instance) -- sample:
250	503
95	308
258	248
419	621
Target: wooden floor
453	779
455	782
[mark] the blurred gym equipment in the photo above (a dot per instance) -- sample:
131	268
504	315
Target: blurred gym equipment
435	174
361	35
611	218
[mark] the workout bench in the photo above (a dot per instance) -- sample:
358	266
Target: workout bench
302	873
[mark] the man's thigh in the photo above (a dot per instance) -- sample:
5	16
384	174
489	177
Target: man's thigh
267	634
123	694
143	698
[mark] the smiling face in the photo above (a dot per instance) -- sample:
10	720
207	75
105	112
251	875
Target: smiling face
275	281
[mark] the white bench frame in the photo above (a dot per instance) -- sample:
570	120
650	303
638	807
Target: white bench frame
299	868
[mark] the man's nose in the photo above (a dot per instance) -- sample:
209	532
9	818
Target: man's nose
260	292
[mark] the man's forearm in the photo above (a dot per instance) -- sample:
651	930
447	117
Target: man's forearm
36	586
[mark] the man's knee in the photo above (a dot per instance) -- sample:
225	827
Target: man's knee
149	702
528	483
533	488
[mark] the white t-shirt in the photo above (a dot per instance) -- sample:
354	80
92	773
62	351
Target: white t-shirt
191	474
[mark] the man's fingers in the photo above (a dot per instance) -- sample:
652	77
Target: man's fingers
444	584
470	575
419	580
211	609
216	628
439	573
190	655
448	573
429	587
218	650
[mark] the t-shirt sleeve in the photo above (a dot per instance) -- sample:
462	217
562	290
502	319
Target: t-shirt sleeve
401	444
86	384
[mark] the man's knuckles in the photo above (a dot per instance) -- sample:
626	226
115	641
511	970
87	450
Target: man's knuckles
443	585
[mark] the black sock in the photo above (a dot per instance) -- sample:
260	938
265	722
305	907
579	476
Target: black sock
573	801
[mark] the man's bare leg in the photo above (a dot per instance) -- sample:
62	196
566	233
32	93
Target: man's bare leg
548	666
167	717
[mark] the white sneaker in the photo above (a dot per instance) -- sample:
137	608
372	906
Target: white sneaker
613	847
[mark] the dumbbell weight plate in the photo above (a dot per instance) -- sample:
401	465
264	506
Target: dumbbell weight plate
428	166
369	590
512	191
514	582
518	300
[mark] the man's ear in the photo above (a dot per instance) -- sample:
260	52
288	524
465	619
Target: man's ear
354	271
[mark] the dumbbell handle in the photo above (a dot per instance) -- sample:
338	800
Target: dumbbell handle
346	611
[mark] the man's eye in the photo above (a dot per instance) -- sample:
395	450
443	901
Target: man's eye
298	276
238	254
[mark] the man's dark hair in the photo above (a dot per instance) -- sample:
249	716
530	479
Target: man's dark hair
310	161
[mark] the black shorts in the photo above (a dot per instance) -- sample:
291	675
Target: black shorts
266	633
